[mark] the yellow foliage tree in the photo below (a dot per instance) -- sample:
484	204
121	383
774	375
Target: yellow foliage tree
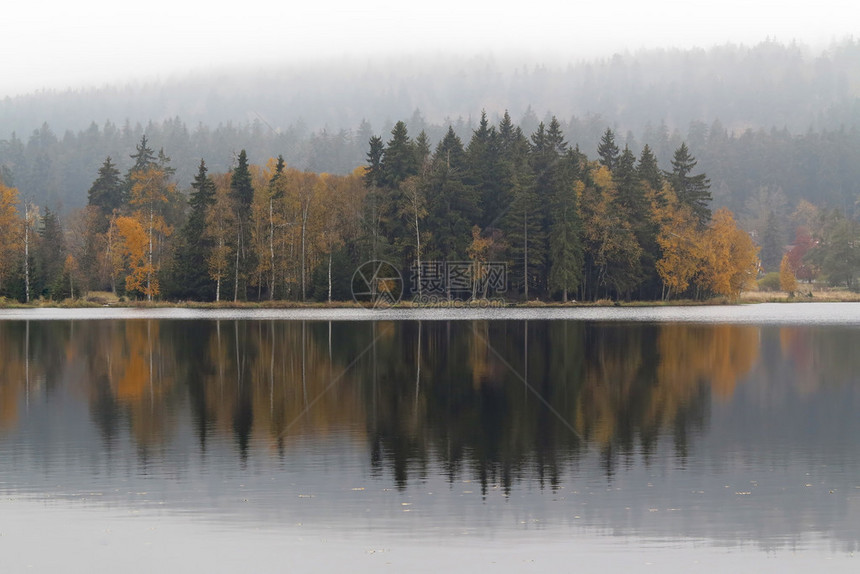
134	244
10	231
220	225
787	280
680	243
150	194
731	257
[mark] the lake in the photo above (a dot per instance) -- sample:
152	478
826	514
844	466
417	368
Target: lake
678	438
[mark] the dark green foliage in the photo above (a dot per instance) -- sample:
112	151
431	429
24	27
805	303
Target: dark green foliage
240	185
373	176
692	190
836	252
771	244
190	278
106	192
648	170
452	203
243	194
607	150
400	159
50	258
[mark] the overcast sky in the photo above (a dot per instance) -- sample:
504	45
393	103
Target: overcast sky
63	43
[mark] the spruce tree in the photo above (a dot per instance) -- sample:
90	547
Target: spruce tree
106	193
243	194
607	150
190	277
648	170
50	258
691	190
452	203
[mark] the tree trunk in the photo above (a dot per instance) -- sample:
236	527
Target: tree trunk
526	255
236	275
329	276
27	251
271	250
149	267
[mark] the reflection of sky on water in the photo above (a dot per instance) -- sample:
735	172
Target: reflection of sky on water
772	465
759	314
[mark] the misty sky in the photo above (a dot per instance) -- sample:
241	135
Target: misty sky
59	44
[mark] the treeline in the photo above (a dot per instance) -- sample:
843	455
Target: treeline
562	225
753	171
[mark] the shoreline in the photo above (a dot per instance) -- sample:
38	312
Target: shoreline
750	298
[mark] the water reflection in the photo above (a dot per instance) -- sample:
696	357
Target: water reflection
498	396
504	404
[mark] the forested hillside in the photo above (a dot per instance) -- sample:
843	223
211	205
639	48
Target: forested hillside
774	127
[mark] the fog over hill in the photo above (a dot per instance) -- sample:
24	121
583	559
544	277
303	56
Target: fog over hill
766	85
748	113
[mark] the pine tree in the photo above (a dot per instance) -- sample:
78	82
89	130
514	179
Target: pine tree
400	159
452	204
607	150
483	161
648	170
565	242
50	256
691	190
144	158
106	193
242	192
190	277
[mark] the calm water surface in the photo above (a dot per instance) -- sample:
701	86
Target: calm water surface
712	438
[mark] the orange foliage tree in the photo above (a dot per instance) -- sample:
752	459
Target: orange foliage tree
731	257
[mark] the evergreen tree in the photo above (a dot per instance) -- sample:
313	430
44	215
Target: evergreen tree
526	236
648	170
400	159
242	192
607	150
691	190
50	256
106	193
483	161
771	245
190	277
565	234
373	176
452	204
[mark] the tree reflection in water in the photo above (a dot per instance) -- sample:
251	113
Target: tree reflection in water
497	401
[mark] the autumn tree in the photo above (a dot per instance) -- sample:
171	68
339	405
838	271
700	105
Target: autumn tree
787	280
731	257
681	249
611	244
10	234
135	247
220	230
149	196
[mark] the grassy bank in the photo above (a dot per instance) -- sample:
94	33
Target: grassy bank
107	299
